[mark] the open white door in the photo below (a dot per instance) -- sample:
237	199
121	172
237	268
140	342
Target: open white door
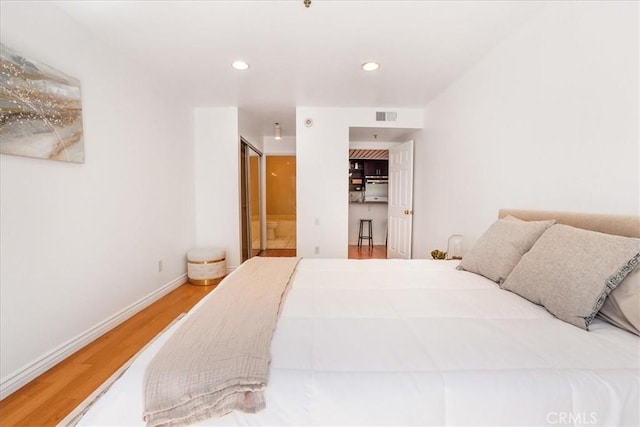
400	200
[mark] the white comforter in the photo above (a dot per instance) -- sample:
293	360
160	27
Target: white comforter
391	342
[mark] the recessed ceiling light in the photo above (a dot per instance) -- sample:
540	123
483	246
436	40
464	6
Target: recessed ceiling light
370	66
240	65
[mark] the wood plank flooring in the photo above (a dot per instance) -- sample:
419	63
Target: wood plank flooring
49	398
278	252
367	252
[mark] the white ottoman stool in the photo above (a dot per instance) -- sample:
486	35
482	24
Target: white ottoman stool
206	265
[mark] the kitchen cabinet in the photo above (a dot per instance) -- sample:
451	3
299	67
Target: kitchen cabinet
376	168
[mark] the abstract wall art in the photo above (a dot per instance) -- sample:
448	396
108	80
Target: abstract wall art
40	110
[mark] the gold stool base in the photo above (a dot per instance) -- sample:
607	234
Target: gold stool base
205	282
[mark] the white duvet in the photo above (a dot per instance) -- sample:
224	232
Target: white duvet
394	342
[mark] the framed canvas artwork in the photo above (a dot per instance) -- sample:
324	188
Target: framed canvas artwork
40	110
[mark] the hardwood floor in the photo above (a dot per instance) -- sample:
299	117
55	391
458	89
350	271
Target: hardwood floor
49	398
367	252
278	252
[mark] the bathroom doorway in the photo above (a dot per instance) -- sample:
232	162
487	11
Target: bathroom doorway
281	202
250	160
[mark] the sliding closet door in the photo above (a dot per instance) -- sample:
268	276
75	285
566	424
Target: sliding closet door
255	209
250	184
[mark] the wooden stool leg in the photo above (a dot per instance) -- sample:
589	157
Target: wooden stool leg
360	235
371	234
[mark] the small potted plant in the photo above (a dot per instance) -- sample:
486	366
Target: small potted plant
438	254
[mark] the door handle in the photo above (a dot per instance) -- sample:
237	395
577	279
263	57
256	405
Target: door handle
408	212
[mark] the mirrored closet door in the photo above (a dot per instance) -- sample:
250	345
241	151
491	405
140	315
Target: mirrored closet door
250	183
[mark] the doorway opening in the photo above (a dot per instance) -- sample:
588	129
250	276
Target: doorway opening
380	192
368	199
281	204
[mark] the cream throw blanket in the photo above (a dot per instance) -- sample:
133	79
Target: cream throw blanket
218	361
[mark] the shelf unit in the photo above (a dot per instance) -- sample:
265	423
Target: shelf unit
356	175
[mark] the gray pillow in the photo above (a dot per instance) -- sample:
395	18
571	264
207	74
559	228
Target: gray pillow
622	306
500	248
571	271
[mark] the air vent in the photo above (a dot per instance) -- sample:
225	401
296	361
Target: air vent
386	116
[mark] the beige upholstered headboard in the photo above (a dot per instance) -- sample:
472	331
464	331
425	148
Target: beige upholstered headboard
621	225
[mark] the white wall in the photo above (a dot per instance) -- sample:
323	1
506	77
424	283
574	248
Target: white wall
283	147
373	145
548	120
81	242
250	129
322	160
217	176
217	182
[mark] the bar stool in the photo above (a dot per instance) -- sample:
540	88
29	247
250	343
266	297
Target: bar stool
369	236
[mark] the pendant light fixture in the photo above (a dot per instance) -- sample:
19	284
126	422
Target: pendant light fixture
278	131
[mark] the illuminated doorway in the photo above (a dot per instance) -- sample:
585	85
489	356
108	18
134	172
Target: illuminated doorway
281	202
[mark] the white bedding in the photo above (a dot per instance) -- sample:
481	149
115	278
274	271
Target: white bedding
394	342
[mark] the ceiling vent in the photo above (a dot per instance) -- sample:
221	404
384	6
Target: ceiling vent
386	116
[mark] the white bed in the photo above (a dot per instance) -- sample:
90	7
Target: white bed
392	342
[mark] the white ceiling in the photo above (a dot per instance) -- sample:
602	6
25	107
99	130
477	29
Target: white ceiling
304	57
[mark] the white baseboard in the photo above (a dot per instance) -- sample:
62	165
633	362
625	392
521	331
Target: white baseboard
22	376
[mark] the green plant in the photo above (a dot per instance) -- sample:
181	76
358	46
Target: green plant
438	254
